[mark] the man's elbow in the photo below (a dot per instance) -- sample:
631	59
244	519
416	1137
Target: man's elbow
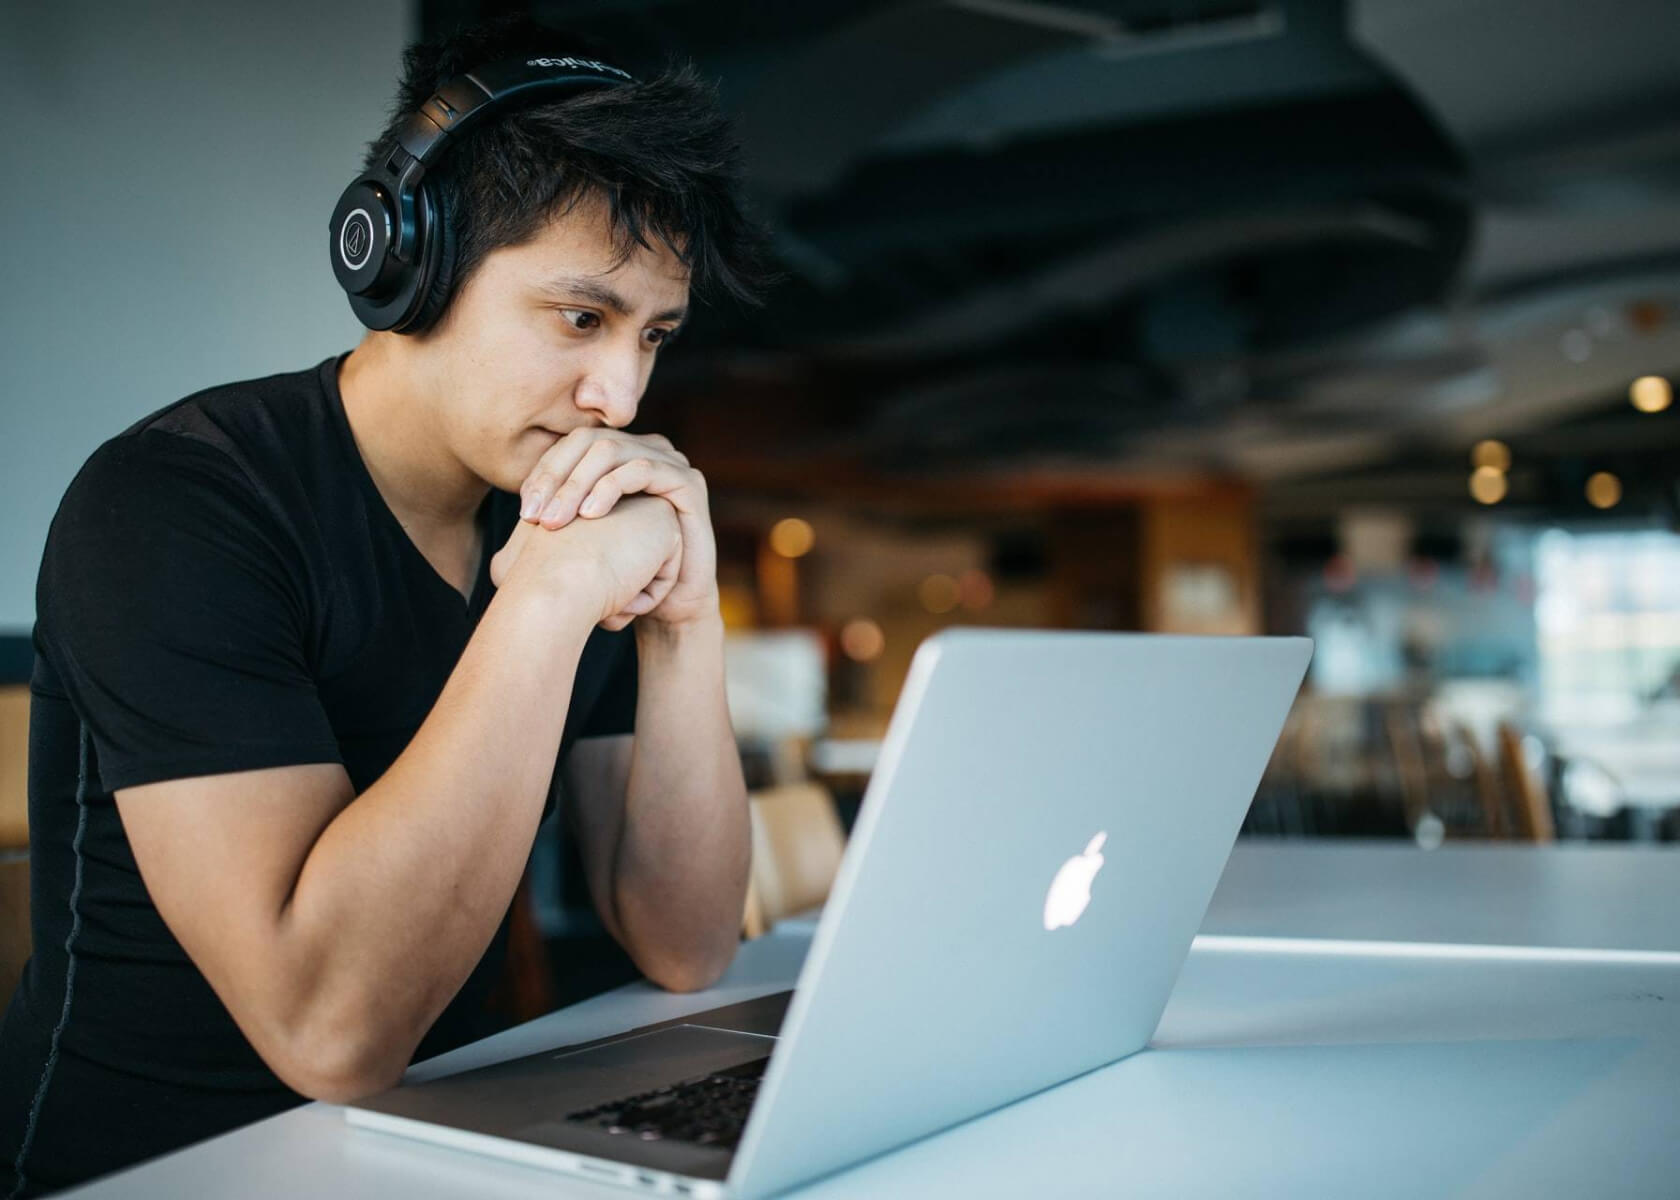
689	972
337	1067
342	1087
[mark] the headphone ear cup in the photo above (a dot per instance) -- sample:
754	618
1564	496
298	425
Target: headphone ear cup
438	267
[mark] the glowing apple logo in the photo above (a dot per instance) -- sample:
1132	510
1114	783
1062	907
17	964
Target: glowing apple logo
1070	891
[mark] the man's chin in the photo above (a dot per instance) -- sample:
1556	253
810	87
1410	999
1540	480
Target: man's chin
509	473
505	476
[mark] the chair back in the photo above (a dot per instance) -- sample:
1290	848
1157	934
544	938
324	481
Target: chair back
797	843
1527	791
14	920
1405	744
1490	793
14	767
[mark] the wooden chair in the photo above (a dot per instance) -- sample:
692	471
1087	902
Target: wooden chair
797	842
14	837
1405	744
14	920
14	767
1525	789
1490	791
525	990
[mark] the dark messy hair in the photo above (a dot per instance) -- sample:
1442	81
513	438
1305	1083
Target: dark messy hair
660	153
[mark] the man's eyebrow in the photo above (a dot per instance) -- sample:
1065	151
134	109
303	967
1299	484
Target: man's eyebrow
599	293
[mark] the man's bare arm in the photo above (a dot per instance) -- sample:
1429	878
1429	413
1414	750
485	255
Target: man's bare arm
336	928
662	817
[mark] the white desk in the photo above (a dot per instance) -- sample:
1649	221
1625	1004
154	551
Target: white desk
1272	1074
1496	894
1567	896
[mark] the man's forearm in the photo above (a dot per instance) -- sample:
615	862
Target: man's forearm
680	876
405	887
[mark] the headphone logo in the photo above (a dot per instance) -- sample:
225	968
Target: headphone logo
355	239
587	64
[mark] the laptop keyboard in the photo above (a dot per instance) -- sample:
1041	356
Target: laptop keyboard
707	1111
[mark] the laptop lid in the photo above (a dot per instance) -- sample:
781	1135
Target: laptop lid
948	976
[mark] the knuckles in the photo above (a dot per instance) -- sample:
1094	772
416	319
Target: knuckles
599	453
607	450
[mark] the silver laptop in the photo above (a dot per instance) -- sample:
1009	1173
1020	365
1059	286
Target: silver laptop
1037	846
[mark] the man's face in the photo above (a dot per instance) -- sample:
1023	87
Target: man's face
549	336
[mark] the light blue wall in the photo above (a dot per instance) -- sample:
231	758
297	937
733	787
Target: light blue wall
166	174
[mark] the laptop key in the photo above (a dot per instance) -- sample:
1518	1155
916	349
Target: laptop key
710	1110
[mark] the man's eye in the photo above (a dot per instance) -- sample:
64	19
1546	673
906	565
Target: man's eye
658	337
580	318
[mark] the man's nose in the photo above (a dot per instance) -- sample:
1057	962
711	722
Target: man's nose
612	388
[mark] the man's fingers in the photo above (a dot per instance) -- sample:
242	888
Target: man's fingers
664	443
659	587
600	458
651	596
634	476
548	494
552	469
651	476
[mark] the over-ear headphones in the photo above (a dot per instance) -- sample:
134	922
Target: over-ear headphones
393	247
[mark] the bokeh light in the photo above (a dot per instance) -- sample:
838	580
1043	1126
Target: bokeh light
1651	393
792	537
975	589
1604	490
1487	485
862	640
939	593
1491	453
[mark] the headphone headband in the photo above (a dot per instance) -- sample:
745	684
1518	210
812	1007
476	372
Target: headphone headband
387	241
466	98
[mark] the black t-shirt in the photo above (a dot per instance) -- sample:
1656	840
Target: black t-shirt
223	589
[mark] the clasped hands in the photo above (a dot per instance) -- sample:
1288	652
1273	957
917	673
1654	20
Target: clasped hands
586	474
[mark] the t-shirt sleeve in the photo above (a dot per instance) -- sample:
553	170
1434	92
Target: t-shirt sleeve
614	710
171	605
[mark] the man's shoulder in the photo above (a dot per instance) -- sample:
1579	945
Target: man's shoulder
239	445
244	432
233	416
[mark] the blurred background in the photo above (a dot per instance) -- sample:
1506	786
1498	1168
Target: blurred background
1354	318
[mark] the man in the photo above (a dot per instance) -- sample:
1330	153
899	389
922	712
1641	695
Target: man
310	648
